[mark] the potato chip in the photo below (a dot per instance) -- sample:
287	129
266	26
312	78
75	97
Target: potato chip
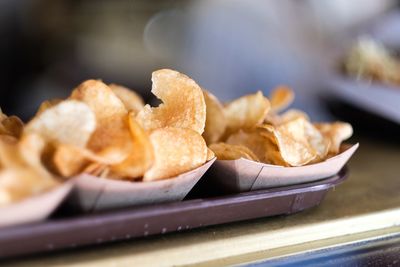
210	154
141	157
215	119
31	148
336	133
183	103
281	97
226	151
245	112
291	114
69	122
112	138
47	104
262	145
293	142
12	126
19	183
131	100
178	150
9	153
22	173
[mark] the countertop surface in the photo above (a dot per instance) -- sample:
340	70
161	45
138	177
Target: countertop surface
365	206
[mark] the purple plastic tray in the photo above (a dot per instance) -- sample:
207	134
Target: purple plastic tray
68	231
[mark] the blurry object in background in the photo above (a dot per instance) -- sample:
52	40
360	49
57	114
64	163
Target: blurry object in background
369	60
230	47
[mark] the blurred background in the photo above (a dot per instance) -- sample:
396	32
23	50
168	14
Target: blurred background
47	47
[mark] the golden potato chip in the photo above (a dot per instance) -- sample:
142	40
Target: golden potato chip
31	148
12	126
69	160
47	104
183	103
291	114
336	133
226	151
178	150
22	173
19	183
317	141
210	154
245	112
215	119
112	138
281	97
262	145
9	153
69	122
131	100
141	157
293	143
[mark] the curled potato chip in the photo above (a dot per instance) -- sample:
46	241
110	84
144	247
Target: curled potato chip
19	183
281	97
178	150
12	126
262	145
210	154
183	103
131	100
47	104
292	140
215	119
31	148
246	112
291	114
111	138
226	151
335	133
22	173
141	157
69	122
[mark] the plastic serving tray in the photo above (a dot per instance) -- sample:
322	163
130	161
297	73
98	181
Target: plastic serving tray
65	230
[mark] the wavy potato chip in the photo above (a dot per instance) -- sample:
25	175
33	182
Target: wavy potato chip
31	147
245	112
22	173
142	156
210	154
69	122
131	100
47	104
261	144
178	150
12	126
112	129
19	183
215	118
183	103
293	142
281	97
291	114
335	133
225	151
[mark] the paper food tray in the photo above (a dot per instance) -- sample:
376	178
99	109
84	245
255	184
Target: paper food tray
245	175
34	208
92	193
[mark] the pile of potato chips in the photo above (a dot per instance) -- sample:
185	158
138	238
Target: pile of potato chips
253	127
370	60
107	131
